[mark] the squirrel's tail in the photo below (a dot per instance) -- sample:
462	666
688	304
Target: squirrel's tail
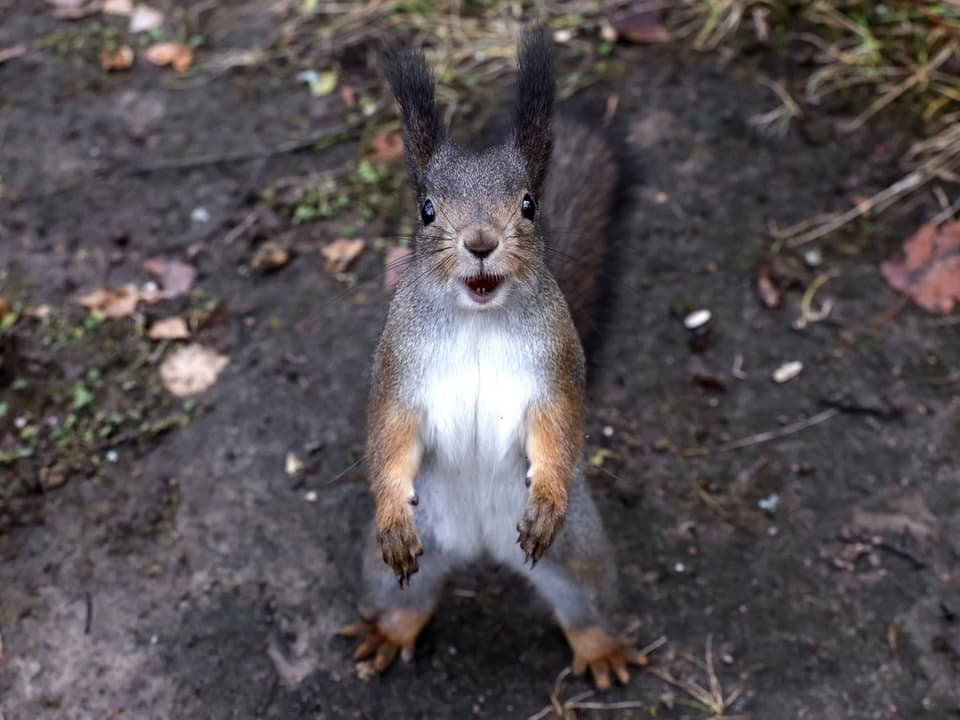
578	199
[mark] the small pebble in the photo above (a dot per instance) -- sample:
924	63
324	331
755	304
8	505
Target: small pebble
813	257
112	456
679	567
607	431
310	496
697	319
154	639
200	215
772	531
769	503
787	372
726	659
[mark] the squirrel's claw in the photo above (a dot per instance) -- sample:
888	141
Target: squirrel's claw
538	527
401	547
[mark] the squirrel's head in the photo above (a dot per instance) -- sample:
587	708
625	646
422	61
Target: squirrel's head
477	212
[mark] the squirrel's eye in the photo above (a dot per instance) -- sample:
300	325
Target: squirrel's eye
427	213
527	208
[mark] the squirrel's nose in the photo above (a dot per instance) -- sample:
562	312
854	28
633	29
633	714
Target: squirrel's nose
479	243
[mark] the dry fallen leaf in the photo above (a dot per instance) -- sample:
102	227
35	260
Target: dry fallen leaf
175	276
120	59
930	270
192	370
4	307
396	263
144	18
341	253
171	328
388	145
269	257
117	7
170	53
115	304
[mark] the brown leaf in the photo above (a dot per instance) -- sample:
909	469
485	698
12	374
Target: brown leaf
269	257
388	145
11	53
175	276
120	59
929	272
341	253
396	263
192	370
171	328
115	304
4	306
639	26
767	289
170	53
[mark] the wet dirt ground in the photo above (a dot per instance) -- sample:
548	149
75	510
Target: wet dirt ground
841	600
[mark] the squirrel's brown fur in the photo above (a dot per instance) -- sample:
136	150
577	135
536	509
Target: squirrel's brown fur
477	402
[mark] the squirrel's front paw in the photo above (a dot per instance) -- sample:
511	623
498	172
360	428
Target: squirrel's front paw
401	547
539	526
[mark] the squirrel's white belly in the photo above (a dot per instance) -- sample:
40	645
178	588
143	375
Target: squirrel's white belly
475	394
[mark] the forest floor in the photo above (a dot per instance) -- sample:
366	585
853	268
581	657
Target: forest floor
163	562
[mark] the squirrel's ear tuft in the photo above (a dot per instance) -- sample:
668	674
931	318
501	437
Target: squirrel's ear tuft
534	105
413	87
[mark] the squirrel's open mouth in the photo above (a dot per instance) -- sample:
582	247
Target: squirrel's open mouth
483	286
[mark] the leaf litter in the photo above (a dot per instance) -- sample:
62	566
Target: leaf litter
115	303
341	254
192	369
171	328
929	271
120	59
176	55
175	276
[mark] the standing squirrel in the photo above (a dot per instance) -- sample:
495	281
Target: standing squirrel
476	411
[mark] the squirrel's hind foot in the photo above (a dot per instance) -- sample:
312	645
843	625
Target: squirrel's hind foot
383	636
595	648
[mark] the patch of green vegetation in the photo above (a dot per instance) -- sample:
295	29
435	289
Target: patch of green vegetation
367	191
77	388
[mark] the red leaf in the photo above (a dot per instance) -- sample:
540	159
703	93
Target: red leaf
929	272
175	276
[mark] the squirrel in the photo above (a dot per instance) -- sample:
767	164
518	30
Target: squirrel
477	403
